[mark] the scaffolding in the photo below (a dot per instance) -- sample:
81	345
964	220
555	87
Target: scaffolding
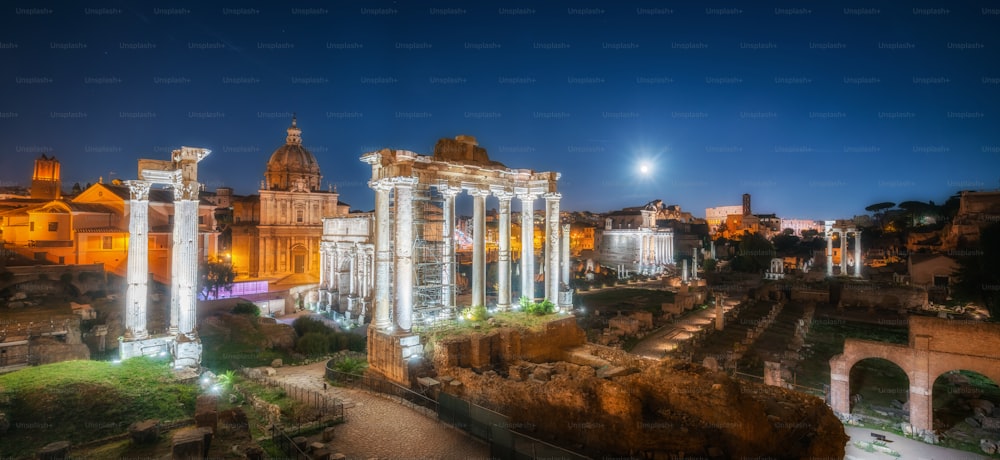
429	262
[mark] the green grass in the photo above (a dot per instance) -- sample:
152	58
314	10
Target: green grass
85	400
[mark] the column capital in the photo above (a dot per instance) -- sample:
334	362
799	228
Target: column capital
186	190
139	189
527	196
503	195
383	185
551	196
448	191
479	192
403	181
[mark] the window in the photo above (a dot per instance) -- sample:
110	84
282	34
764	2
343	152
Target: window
31	226
298	216
107	242
53	226
201	220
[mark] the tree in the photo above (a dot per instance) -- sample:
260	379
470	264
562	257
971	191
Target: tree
754	254
914	210
785	243
214	275
875	208
978	275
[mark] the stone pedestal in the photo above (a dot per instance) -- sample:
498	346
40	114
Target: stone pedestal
145	432
151	346
191	443
187	352
390	355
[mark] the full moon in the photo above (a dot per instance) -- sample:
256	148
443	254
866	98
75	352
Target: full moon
644	168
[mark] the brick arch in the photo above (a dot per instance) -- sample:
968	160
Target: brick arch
935	346
857	389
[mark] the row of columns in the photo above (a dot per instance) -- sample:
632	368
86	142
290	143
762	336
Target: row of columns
396	312
843	231
184	259
655	249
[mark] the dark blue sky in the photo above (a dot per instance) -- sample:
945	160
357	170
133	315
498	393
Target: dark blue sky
818	109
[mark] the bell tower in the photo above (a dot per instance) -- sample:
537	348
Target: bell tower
45	182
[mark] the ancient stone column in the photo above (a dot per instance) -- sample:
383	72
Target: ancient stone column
404	253
185	255
829	251
383	255
857	253
503	258
564	259
720	316
694	262
479	246
843	252
448	245
552	246
566	303
527	244
684	272
136	294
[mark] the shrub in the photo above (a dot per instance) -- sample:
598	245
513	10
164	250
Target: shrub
313	344
246	308
541	308
351	365
304	325
476	313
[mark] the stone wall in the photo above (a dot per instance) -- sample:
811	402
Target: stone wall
873	295
956	336
668	410
504	346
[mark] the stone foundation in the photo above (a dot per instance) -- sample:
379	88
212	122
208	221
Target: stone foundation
506	346
391	355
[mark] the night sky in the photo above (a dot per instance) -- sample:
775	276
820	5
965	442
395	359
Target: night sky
818	109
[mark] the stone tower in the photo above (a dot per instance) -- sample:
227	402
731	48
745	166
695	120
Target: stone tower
45	182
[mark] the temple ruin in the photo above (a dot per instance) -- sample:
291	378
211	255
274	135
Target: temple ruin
181	339
415	264
842	228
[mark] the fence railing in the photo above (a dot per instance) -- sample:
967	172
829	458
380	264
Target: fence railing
486	424
385	388
329	408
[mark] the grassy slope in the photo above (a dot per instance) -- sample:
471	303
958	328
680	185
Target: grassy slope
85	400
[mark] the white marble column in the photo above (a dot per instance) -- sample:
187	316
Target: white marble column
479	246
136	295
185	255
564	261
527	244
503	258
552	246
829	251
857	253
448	245
404	254
383	256
694	262
843	252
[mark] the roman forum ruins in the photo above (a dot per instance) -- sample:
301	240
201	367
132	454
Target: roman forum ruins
415	256
181	340
843	228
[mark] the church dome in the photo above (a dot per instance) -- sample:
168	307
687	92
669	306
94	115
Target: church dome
291	166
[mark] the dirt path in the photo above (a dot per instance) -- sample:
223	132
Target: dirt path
378	427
